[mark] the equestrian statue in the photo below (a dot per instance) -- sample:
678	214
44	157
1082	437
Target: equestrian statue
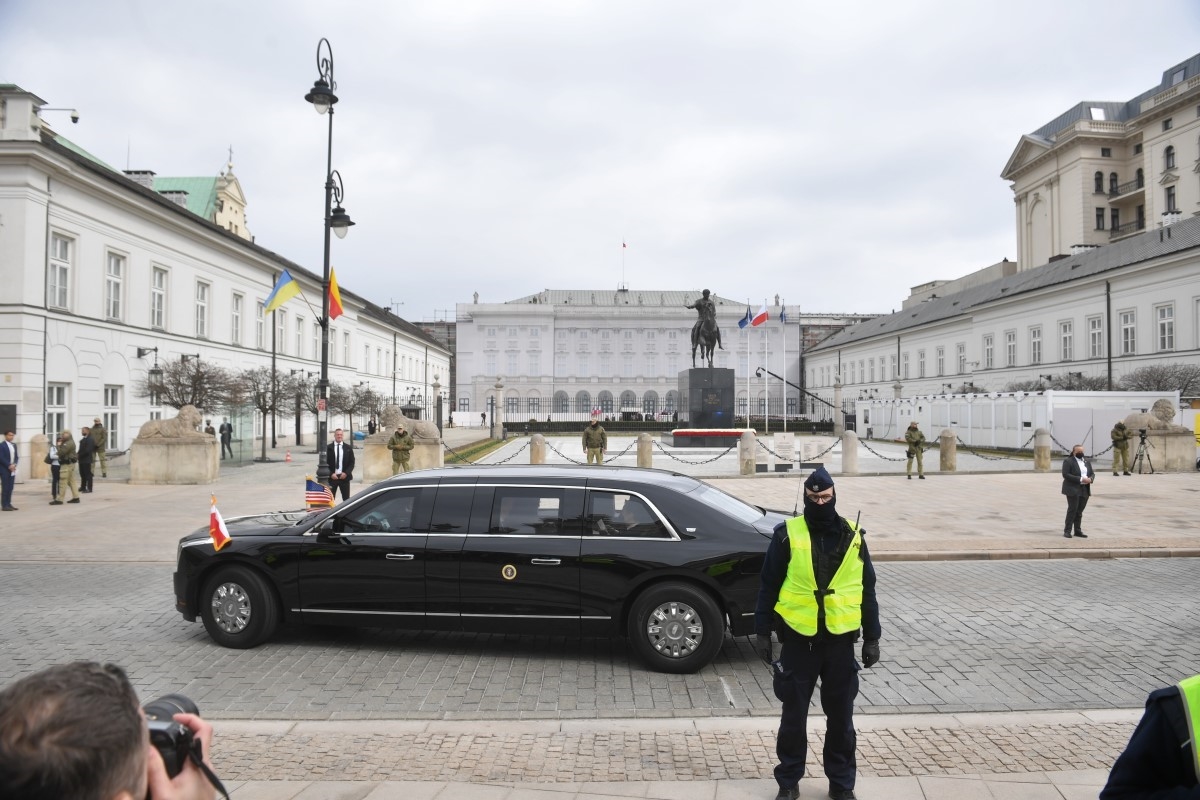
705	333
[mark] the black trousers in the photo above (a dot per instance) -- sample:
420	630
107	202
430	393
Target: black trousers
226	445
1075	506
800	665
85	475
336	485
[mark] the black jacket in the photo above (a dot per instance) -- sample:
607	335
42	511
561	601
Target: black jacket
87	449
1157	763
1071	476
347	459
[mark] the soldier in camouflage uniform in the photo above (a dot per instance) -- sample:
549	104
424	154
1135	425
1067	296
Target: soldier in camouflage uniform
595	441
100	437
401	445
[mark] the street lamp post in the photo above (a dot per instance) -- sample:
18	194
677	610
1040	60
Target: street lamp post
336	221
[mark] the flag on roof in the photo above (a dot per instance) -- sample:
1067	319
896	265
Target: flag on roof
285	289
760	317
216	526
744	321
317	495
335	297
783	315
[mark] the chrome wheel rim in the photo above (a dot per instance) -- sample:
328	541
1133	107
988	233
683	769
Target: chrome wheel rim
231	608
674	630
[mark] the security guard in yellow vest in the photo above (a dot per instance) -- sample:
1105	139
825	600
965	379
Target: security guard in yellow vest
817	590
1162	758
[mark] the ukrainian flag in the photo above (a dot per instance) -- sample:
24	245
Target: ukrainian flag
285	289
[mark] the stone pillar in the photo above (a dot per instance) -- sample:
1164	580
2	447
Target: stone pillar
645	457
1041	450
897	389
949	450
498	410
839	416
537	449
849	453
39	446
746	456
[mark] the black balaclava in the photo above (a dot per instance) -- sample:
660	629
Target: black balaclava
819	516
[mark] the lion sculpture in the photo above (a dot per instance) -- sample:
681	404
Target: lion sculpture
1158	419
419	428
182	426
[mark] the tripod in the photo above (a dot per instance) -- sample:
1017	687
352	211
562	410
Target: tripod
1143	452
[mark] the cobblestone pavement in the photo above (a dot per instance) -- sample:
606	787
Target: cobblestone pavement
957	636
672	752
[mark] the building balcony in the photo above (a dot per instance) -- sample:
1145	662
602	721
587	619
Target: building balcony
1126	192
1128	229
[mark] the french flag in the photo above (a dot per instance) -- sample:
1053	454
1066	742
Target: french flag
760	317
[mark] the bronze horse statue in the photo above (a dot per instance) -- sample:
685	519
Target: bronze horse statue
705	337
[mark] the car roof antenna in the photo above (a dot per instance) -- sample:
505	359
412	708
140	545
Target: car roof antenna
796	509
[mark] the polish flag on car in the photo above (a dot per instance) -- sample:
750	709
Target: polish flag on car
216	526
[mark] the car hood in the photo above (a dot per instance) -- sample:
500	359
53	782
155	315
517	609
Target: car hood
767	522
269	524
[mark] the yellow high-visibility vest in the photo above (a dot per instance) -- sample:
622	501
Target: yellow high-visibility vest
1189	690
797	602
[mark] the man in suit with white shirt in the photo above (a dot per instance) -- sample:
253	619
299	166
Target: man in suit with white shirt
339	456
8	470
1078	476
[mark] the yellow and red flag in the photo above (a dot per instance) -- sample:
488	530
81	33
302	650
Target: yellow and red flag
335	297
216	526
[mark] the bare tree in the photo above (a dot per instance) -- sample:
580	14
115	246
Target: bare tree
1064	381
194	382
259	388
1184	378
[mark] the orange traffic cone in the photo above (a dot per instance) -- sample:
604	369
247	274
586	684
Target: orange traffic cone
288	458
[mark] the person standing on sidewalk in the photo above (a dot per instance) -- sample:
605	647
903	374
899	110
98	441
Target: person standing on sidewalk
87	452
595	441
8	470
916	449
1078	476
226	432
67	456
100	437
817	591
1162	758
1120	441
55	469
401	445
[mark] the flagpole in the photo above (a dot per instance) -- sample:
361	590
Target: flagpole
766	387
747	367
783	338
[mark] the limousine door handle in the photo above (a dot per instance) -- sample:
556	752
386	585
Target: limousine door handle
546	562
399	556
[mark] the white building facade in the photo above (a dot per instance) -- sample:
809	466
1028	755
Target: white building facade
96	269
564	354
1100	314
1102	171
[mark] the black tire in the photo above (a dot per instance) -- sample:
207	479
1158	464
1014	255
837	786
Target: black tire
675	627
238	607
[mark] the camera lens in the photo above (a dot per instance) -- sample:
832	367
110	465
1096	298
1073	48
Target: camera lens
166	707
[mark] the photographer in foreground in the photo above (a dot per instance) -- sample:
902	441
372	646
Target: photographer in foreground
76	730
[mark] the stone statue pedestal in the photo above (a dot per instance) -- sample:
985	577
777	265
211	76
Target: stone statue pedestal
191	460
706	396
1168	451
376	460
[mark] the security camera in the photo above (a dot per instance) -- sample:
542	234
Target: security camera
75	117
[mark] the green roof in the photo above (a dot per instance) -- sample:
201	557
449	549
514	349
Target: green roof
67	143
202	193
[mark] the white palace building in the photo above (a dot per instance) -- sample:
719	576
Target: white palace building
102	273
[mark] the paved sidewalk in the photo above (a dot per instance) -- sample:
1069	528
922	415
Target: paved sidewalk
991	515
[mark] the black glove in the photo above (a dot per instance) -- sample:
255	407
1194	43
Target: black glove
762	646
870	653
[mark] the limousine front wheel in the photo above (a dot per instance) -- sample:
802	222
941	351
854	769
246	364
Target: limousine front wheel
675	627
238	607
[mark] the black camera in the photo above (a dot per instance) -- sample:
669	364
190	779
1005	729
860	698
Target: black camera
1142	432
173	741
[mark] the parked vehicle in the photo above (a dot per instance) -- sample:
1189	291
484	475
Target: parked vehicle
663	559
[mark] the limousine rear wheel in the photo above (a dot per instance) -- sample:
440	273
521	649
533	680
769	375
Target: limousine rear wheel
675	627
238	608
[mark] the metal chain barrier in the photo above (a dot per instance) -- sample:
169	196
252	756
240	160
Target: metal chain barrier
1066	449
692	463
584	463
457	455
879	454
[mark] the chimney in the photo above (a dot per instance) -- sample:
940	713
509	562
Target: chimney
143	176
177	196
18	115
1171	217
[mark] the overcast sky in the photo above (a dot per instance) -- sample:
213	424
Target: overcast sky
836	154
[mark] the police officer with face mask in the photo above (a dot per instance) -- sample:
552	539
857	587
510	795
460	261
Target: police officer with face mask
817	591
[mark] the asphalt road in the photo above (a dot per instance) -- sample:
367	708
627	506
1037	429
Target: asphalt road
958	636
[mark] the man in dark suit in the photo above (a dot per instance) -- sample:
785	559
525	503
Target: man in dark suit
8	469
339	456
1078	476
